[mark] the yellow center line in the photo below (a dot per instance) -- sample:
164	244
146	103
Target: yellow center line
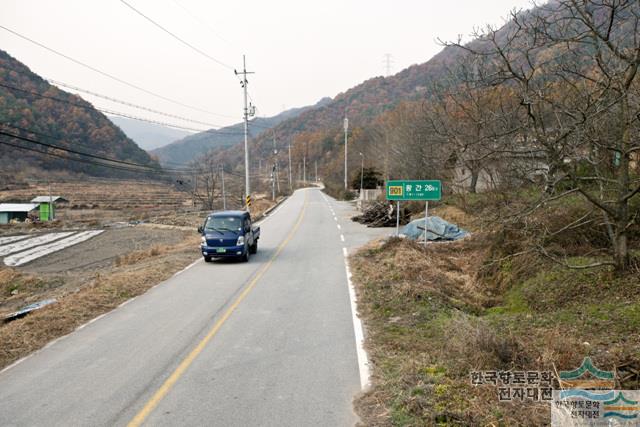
188	360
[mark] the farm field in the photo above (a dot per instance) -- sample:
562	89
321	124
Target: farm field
112	241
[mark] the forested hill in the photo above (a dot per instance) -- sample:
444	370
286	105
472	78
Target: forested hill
320	128
32	108
193	146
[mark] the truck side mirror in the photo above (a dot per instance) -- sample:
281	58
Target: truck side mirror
200	229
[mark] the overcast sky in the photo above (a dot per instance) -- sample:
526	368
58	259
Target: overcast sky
301	51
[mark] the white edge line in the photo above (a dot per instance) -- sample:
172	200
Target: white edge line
17	362
342	237
50	343
344	252
363	358
187	267
126	302
271	214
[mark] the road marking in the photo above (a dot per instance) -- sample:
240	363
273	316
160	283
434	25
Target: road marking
271	214
339	228
34	241
344	252
40	251
191	357
335	219
342	237
189	266
95	319
17	362
363	359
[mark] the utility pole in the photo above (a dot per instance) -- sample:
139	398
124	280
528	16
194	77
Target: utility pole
248	111
275	160
316	162
224	196
273	183
346	129
50	201
361	173
290	181
304	169
195	188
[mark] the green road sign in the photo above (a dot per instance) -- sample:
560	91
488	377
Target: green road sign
414	190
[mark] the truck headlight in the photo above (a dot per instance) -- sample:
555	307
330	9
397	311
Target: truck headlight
203	241
240	241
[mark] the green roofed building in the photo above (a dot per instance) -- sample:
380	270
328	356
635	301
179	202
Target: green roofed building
47	206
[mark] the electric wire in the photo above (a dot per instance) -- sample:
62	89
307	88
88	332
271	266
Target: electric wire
195	17
189	45
82	153
109	111
129	104
103	73
135	167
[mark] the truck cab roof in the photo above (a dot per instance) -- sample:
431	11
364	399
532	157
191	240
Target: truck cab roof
229	213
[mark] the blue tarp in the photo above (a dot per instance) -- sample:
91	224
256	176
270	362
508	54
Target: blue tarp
28	309
437	229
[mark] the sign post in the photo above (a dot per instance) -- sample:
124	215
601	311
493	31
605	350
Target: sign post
414	190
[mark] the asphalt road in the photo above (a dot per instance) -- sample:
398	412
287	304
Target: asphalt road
270	342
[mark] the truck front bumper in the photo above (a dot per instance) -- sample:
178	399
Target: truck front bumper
222	251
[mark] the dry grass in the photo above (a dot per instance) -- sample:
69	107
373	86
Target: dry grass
133	275
433	316
137	256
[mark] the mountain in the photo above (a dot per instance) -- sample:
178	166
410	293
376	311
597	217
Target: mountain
322	125
193	146
33	109
148	135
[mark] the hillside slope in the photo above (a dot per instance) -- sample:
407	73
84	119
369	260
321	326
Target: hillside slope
31	107
362	104
193	146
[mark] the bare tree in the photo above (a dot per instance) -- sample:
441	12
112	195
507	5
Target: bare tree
573	66
205	179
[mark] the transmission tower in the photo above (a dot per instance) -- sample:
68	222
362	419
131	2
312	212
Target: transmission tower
387	61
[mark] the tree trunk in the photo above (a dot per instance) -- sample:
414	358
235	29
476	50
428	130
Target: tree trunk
621	250
474	180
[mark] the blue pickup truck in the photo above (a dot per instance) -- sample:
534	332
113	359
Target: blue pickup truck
229	234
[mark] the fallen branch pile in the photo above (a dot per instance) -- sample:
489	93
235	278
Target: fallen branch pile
381	214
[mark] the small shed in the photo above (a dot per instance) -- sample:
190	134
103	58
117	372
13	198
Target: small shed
47	212
17	211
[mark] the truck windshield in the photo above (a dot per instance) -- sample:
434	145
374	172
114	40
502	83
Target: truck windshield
223	223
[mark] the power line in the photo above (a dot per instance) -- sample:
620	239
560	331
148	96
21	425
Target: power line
46	153
112	77
217	61
130	104
195	17
116	113
81	153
